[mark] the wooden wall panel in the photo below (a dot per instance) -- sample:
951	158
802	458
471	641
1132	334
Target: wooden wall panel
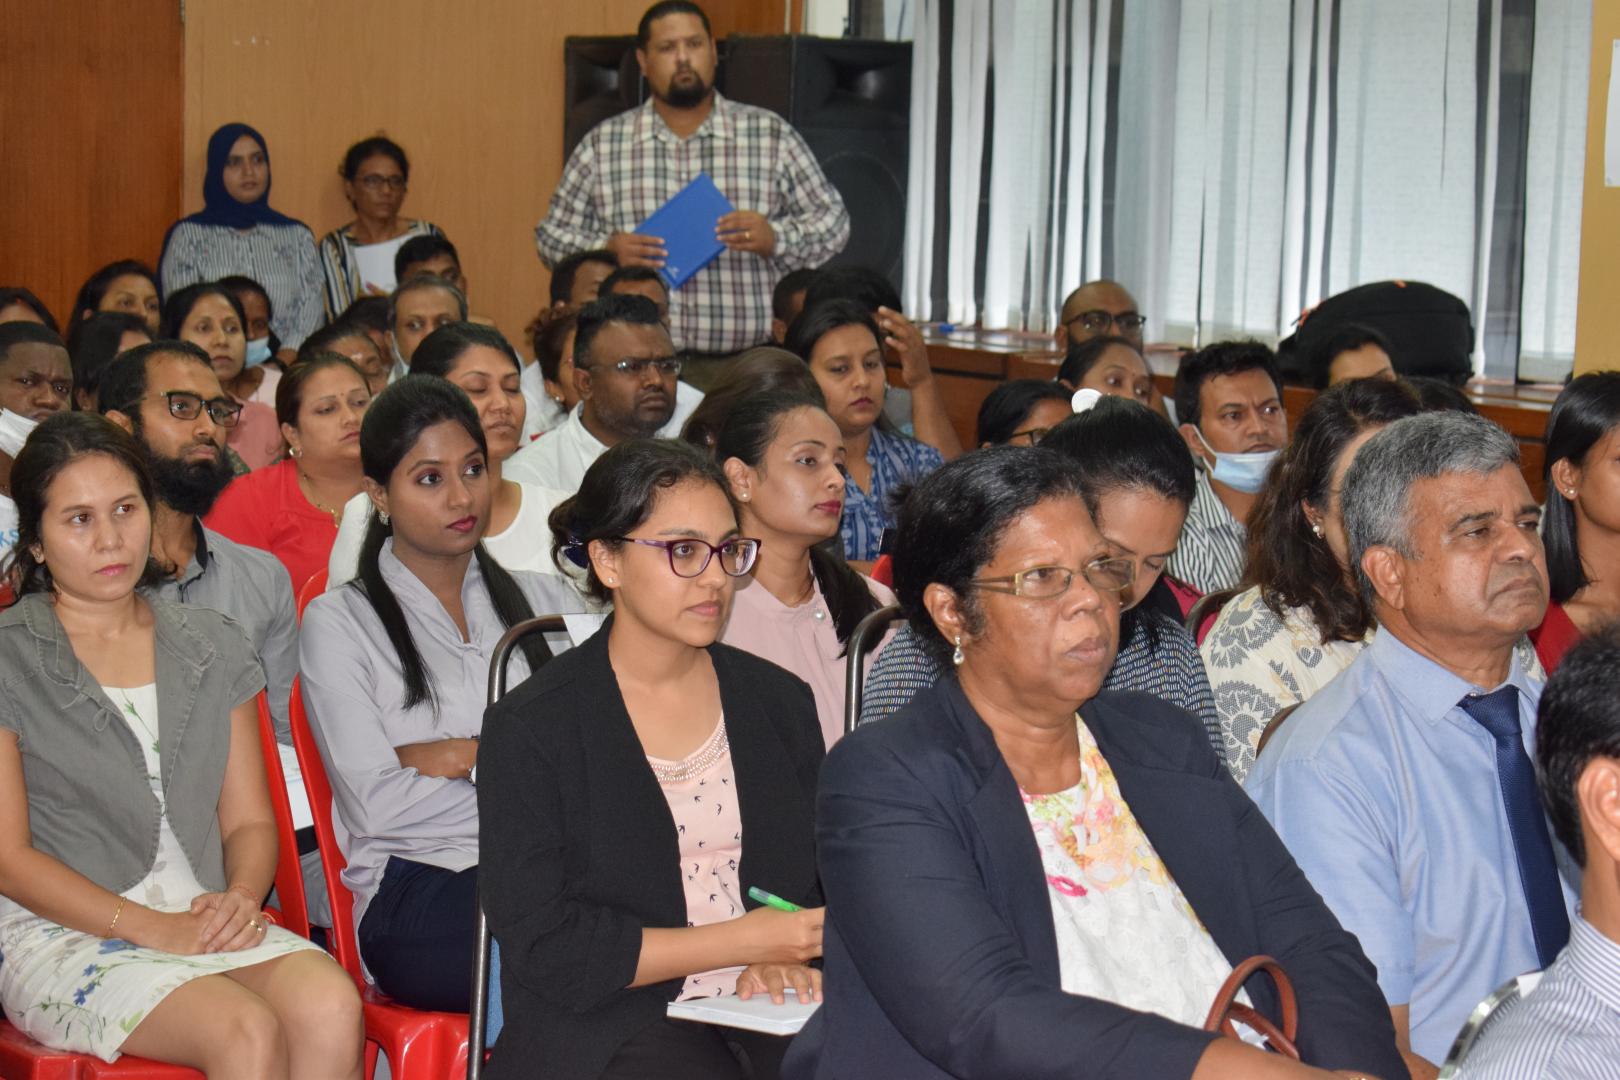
472	90
1597	316
90	151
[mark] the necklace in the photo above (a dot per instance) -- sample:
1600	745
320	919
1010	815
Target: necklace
307	485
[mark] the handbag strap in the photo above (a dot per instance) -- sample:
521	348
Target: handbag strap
1226	1008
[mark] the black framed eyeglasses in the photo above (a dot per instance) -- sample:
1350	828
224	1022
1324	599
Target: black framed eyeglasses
664	365
382	183
1108	576
1030	435
1098	321
689	557
184	405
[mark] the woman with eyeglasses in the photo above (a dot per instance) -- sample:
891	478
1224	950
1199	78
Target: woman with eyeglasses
357	259
1022	411
618	785
1137	477
1027	875
212	318
292	509
784	459
395	667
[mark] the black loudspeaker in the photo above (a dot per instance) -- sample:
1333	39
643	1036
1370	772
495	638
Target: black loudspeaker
600	79
851	101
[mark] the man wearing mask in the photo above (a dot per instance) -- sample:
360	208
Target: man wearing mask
167	396
787	215
624	369
1229	400
36	381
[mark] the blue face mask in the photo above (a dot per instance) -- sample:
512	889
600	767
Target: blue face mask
258	351
1240	472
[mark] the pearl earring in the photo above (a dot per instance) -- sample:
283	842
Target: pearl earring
956	657
1570	493
1317	529
743	496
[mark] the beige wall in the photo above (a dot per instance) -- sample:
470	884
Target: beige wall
1597	316
472	89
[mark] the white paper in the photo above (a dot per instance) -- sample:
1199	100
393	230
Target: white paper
1611	123
758	1013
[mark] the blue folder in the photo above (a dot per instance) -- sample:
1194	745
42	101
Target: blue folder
686	226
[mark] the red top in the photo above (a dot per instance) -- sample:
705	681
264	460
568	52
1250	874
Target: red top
1556	635
265	509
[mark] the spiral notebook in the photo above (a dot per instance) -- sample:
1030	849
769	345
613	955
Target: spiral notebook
758	1013
686	226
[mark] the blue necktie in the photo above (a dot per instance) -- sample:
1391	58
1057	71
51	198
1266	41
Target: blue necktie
1498	713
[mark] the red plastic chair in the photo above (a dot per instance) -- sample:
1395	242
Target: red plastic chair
312	588
294	910
883	571
420	1045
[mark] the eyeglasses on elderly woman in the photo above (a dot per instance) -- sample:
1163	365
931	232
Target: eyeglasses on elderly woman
1112	576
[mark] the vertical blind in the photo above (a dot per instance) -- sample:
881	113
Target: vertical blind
1235	163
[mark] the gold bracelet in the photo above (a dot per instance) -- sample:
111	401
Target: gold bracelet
116	913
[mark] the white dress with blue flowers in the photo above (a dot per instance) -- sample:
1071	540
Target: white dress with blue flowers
83	993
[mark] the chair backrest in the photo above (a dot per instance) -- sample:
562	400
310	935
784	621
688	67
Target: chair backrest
478	1014
1486	1015
867	633
312	588
1206	610
294	905
345	946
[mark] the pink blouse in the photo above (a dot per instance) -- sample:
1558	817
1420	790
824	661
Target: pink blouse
702	795
801	639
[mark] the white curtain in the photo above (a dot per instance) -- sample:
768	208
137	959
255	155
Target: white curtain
1234	163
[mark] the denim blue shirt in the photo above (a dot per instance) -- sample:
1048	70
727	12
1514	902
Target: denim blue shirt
895	460
1387	795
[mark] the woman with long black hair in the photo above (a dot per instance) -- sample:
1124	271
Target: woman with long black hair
395	667
1581	528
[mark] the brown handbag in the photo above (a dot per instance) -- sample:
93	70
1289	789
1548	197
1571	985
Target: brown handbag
1226	1008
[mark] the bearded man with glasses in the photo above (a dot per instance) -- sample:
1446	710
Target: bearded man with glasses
167	396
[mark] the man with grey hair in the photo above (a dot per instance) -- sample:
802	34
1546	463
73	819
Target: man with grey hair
1405	788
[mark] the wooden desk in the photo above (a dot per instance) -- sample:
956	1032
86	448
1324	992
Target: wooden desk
970	363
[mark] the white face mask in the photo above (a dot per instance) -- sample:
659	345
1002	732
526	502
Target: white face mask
258	351
14	431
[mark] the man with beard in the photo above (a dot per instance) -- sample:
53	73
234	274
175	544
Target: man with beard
787	214
1405	788
624	370
167	396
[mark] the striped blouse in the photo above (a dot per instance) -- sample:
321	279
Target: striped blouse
280	257
1171	672
341	267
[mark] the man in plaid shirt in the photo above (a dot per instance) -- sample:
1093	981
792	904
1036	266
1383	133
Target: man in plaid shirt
788	215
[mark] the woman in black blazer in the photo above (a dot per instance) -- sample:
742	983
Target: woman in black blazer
635	788
1030	878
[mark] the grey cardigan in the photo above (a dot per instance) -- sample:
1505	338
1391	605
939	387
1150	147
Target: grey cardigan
90	804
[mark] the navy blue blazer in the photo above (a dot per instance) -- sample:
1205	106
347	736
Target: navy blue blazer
941	960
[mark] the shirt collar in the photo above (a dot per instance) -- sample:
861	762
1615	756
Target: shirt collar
1429	690
1594	960
588	443
718	124
410	591
1207	508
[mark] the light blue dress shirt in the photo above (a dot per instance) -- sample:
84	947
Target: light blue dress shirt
1387	795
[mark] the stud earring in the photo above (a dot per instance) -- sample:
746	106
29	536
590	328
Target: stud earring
1570	493
382	515
296	451
956	657
743	496
1316	528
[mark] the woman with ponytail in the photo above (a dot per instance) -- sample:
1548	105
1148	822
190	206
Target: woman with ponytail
784	459
395	667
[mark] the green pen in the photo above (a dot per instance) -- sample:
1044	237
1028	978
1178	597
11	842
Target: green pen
772	900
